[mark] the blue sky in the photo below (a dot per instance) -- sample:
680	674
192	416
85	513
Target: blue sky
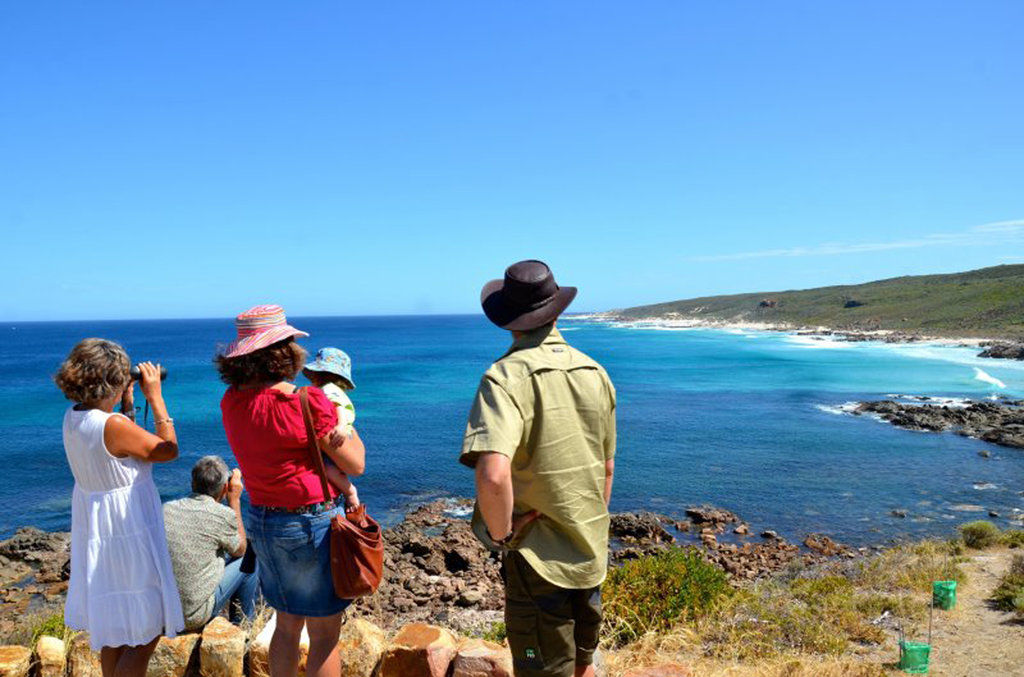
191	159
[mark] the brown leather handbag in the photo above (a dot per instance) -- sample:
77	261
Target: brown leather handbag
357	547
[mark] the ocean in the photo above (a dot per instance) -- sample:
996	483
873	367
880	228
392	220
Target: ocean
750	421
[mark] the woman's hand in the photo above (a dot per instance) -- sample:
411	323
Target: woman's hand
149	381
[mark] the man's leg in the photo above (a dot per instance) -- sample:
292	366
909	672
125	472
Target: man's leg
243	602
539	622
229	584
586	611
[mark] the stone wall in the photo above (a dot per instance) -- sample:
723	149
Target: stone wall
416	650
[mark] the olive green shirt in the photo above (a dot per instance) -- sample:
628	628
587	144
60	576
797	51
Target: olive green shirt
551	410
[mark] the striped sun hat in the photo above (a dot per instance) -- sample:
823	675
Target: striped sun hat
258	328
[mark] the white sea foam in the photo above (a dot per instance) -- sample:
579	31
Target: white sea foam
984	486
819	342
838	409
984	377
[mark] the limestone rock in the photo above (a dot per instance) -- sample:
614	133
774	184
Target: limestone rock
173	656
15	661
82	660
665	670
222	652
50	656
479	658
361	646
421	650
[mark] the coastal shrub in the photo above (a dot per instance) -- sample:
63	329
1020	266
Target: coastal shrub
496	633
1013	538
910	567
1009	594
980	534
32	627
653	593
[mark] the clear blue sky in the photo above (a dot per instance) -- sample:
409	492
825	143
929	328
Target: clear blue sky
191	159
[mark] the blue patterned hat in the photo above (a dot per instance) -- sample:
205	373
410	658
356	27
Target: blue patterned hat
333	361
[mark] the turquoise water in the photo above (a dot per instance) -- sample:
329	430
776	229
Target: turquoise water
745	420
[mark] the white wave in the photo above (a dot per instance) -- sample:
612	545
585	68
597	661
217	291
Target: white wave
838	409
984	486
820	342
984	377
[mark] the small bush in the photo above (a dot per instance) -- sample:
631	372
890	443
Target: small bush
653	593
1013	538
496	633
979	535
1009	594
911	568
32	627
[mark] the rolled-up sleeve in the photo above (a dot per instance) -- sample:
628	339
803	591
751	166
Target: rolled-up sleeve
495	424
610	433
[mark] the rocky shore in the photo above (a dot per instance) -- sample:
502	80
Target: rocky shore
436	571
998	422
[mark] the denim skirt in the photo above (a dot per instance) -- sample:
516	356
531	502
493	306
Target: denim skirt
294	554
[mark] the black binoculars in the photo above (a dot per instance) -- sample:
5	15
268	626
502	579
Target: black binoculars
136	374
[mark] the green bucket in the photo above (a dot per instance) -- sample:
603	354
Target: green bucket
914	657
944	594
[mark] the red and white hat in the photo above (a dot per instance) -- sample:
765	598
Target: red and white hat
258	328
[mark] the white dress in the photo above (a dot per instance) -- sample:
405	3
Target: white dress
122	588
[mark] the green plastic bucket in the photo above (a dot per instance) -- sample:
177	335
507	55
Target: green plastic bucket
914	657
944	594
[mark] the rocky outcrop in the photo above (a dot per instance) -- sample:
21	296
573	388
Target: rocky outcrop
82	660
34	569
222	650
823	545
1003	351
15	661
639	527
51	659
361	647
421	650
479	658
996	422
174	657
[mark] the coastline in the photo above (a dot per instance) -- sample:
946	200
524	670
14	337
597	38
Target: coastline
677	321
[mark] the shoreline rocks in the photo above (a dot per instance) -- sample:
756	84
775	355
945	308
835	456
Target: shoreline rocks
995	422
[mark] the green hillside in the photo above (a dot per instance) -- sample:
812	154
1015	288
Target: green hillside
986	302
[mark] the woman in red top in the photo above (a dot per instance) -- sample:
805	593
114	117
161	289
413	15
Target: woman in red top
289	517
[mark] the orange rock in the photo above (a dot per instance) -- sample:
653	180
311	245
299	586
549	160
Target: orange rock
82	660
51	657
419	650
15	661
172	657
361	646
479	658
222	650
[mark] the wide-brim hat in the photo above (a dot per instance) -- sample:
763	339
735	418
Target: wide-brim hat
526	298
258	328
333	361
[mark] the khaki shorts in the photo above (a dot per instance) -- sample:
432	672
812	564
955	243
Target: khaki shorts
550	629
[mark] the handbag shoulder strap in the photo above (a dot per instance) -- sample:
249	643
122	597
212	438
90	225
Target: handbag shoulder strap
314	450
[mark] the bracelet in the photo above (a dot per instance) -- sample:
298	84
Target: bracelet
164	420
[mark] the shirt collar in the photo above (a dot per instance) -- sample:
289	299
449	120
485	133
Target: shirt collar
200	497
537	337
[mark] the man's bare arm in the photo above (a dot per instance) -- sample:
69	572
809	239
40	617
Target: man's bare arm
494	493
609	476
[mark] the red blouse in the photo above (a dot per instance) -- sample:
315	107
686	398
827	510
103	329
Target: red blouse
268	437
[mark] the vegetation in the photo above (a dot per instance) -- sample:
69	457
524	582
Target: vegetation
985	302
819	612
980	535
1009	594
33	627
496	633
651	594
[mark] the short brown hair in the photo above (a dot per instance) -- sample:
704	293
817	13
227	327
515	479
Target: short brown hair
281	361
95	370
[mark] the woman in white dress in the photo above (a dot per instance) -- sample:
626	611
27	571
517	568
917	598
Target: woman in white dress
122	588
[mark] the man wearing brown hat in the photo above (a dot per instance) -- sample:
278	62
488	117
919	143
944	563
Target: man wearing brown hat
541	436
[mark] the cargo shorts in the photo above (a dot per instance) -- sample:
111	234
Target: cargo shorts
550	629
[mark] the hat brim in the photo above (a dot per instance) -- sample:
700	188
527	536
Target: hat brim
505	316
251	344
316	365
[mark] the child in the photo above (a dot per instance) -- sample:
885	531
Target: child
331	371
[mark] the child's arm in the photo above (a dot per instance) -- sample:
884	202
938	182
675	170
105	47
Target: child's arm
343	484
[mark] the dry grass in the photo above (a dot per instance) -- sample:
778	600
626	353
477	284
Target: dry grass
259	620
804	666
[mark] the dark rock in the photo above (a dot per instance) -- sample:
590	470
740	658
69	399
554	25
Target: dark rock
769	534
898	512
639	527
1003	351
853	303
996	422
985	453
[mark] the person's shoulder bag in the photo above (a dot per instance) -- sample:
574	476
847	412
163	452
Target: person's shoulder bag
357	547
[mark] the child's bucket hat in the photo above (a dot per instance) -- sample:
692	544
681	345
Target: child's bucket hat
258	328
333	361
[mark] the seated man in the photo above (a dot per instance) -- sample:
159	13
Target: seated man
206	540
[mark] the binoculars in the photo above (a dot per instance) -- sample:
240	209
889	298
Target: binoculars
136	374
